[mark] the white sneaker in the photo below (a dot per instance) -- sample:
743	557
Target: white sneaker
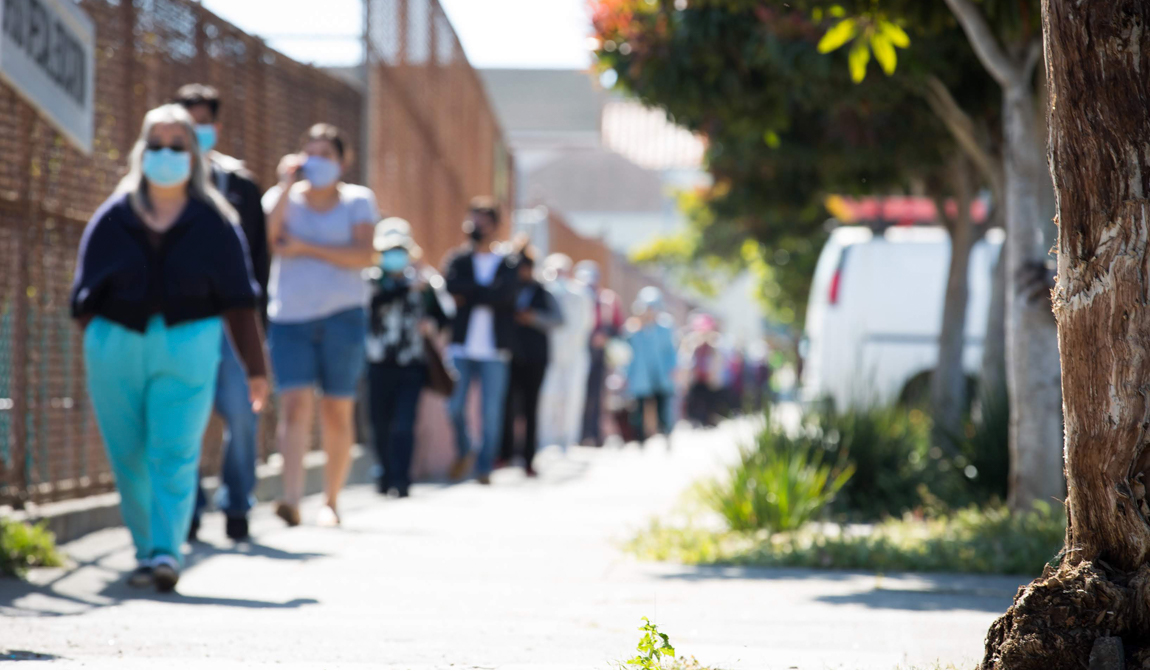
327	517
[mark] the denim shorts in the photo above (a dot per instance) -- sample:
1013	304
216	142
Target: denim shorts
327	353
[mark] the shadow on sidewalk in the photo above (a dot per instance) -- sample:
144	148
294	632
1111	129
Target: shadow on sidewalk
989	601
90	584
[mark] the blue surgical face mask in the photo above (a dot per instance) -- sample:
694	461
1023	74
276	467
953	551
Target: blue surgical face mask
321	172
207	136
394	260
164	167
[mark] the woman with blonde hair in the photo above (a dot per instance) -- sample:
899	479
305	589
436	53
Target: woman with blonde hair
162	269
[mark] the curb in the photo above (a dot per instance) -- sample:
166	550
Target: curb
74	518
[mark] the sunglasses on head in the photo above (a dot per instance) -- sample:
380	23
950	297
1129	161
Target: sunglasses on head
157	146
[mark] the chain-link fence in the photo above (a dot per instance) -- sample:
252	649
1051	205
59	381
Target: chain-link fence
49	446
434	144
434	140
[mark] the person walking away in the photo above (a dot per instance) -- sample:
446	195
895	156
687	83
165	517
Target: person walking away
701	351
736	388
241	425
162	270
320	230
405	313
484	284
537	314
608	324
651	372
565	384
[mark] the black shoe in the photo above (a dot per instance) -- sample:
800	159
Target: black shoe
237	528
402	492
194	531
382	486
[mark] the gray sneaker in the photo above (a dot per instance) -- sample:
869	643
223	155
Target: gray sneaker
165	573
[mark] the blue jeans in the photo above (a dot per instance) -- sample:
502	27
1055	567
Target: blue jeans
241	427
152	395
493	377
327	353
395	392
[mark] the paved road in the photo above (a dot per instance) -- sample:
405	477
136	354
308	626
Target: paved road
522	574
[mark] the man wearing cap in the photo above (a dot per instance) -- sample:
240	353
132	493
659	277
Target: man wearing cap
404	309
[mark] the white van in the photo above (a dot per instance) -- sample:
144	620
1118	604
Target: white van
875	312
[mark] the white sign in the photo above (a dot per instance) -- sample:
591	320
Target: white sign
48	54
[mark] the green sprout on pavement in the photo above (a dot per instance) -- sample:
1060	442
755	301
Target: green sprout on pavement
652	648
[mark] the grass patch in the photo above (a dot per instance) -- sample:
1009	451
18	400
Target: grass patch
24	546
970	540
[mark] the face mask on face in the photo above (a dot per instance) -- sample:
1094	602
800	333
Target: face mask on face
164	167
321	172
207	136
394	260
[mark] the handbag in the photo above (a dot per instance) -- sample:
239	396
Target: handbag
439	379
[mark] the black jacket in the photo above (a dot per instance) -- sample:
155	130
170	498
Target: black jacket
533	341
200	269
499	296
241	190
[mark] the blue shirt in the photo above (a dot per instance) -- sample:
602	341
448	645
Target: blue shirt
199	268
653	361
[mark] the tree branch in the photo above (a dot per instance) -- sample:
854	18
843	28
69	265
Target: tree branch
985	44
1033	53
961	128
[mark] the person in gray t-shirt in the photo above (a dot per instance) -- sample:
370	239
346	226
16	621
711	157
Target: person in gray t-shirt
320	230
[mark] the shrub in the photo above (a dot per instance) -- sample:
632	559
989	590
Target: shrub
780	484
23	546
971	540
890	449
986	445
896	462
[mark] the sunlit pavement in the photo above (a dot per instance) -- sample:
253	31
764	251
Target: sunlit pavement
523	574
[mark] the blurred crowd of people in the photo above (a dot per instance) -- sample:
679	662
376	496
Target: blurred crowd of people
195	290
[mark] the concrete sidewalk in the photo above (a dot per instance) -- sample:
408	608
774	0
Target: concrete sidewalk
523	574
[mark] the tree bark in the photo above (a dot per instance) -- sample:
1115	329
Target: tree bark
1032	372
949	398
1097	57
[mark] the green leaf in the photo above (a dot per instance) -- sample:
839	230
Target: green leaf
859	58
772	139
884	52
842	32
837	10
894	33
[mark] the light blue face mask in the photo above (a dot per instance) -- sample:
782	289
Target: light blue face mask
321	172
207	136
164	167
394	260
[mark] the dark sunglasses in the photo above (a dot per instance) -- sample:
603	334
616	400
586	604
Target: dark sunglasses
156	146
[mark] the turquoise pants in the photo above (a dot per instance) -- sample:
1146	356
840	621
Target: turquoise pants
152	393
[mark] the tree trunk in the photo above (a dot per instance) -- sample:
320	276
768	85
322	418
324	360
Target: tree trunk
992	379
948	383
1097	55
1032	372
1031	337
